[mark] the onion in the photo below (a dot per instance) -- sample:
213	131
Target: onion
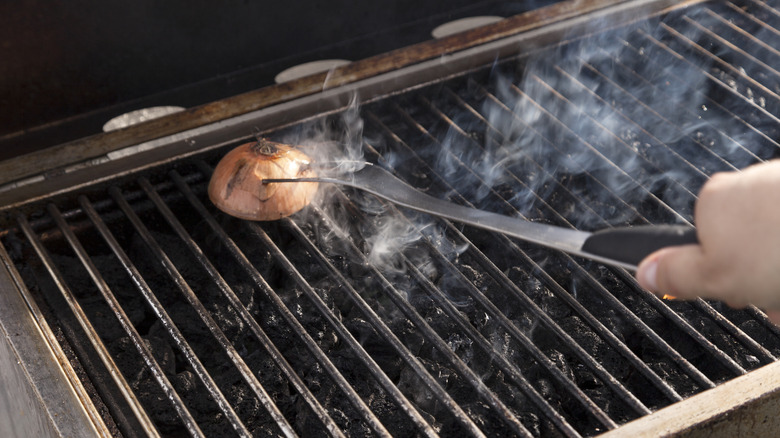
236	186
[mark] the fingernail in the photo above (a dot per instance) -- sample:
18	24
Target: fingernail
649	275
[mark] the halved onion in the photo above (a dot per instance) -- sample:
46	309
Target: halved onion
237	187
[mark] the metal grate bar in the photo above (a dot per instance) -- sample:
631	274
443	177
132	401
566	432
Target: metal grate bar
193	300
657	54
609	297
552	146
712	105
646	372
454	127
163	316
684	217
750	15
759	315
638	323
575	167
155	369
730	89
744	44
73	304
693	372
508	368
652	88
722	357
430	334
495	136
505	366
231	296
565	296
703	167
703	306
367	360
700	304
753	41
724	86
763	5
647	168
658	304
603	374
690	331
279	305
734	49
734	331
408	409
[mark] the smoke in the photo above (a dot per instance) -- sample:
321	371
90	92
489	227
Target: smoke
333	141
388	241
625	125
633	117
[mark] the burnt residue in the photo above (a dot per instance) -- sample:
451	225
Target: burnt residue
239	175
543	292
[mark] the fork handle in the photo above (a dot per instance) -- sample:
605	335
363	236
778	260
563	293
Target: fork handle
632	244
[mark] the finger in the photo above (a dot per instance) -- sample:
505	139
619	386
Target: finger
736	304
674	271
774	316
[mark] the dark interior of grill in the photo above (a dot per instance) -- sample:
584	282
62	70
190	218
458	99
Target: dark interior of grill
356	317
185	54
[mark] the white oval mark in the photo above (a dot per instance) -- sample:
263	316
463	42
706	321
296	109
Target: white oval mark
138	116
308	68
463	24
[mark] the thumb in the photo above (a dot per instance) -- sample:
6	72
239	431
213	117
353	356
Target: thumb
774	316
674	271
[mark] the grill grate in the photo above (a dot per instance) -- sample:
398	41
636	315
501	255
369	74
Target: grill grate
360	318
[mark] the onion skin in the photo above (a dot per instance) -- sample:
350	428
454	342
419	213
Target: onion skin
236	186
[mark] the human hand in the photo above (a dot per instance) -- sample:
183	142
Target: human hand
737	261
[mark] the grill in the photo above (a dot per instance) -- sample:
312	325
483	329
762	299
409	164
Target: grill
356	317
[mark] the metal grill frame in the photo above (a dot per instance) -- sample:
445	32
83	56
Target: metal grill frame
76	164
759	395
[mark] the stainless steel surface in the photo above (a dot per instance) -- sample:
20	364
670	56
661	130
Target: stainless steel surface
746	406
40	395
22	413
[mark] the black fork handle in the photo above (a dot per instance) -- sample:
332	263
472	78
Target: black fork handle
632	244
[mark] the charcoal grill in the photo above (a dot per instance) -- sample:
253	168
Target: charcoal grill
131	306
